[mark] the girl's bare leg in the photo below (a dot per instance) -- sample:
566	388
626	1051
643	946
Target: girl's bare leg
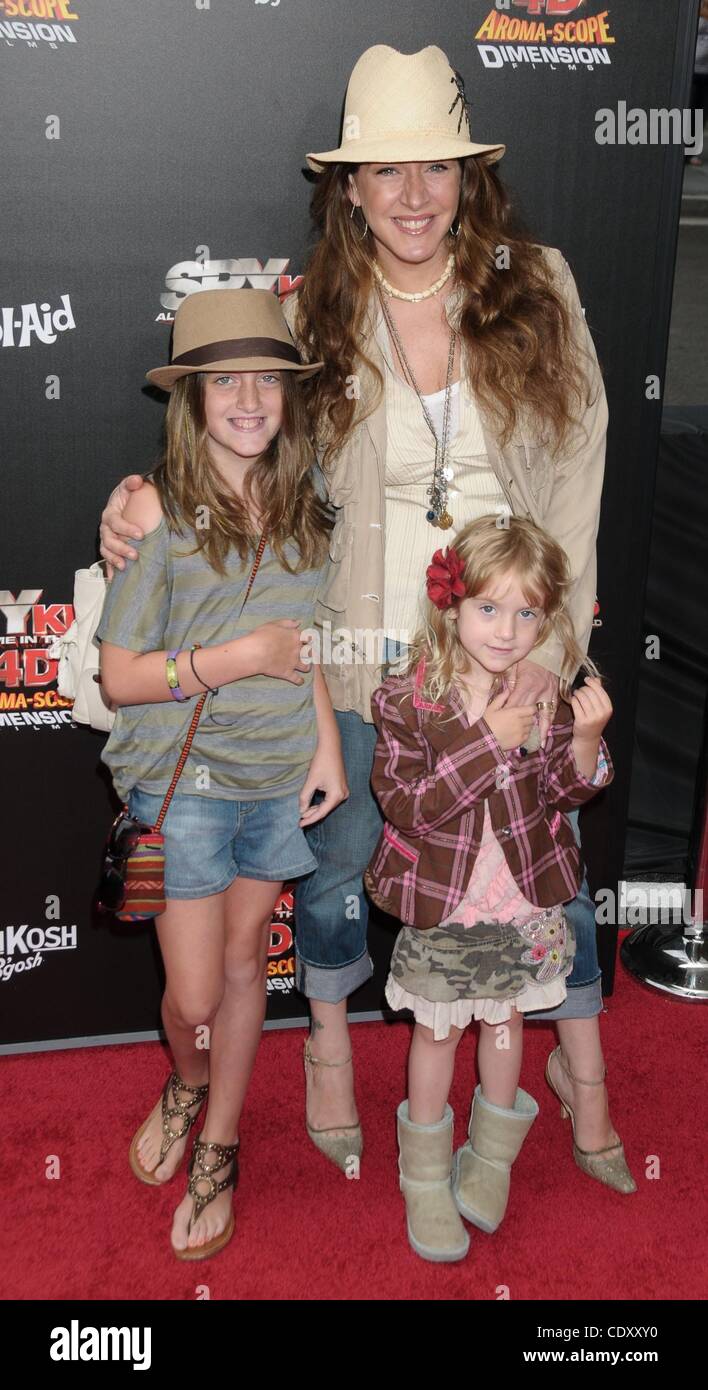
330	1090
499	1060
431	1064
191	937
236	1032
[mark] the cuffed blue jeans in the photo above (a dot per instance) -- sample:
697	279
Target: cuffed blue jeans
331	906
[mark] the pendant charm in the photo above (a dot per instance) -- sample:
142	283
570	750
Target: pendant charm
445	521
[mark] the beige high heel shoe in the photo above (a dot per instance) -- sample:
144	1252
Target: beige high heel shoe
611	1170
345	1142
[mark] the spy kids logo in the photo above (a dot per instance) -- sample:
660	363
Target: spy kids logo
35	22
28	694
545	36
203	273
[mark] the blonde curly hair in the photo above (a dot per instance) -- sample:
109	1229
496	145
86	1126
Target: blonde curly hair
489	548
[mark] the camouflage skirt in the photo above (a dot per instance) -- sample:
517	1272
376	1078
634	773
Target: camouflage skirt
490	960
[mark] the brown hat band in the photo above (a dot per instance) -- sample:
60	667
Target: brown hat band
238	347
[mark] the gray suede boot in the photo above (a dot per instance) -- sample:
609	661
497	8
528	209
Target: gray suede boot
482	1167
425	1156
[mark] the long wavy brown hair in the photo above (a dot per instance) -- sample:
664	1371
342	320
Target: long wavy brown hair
515	327
279	483
492	547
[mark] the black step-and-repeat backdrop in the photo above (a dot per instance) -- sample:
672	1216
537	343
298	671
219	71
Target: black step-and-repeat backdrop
155	147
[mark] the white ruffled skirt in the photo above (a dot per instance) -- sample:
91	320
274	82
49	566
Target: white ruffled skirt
441	1017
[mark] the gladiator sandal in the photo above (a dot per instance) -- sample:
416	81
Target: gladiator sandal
202	1172
180	1110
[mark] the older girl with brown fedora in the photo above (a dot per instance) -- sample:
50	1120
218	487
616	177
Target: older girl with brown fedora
234	550
459	379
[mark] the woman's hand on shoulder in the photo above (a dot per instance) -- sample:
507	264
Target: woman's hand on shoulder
511	726
143	509
528	683
117	528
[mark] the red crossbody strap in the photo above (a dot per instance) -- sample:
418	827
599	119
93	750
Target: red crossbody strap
200	706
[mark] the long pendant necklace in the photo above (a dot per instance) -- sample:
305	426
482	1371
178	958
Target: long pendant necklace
437	494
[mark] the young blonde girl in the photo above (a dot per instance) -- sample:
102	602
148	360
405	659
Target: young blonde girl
477	857
237	467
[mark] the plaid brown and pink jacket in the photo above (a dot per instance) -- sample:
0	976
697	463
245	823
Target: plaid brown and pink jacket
432	778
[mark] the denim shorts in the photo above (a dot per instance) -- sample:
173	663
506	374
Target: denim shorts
209	843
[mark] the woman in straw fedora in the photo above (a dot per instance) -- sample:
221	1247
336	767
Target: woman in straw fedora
459	380
234	551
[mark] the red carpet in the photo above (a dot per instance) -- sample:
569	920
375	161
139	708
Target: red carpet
303	1231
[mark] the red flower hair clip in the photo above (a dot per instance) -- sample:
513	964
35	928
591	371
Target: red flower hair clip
444	578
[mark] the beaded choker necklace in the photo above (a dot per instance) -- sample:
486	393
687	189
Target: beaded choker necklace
421	294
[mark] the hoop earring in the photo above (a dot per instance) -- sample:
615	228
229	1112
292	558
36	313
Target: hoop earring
366	225
455	231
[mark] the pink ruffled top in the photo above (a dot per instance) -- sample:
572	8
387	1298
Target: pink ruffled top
493	894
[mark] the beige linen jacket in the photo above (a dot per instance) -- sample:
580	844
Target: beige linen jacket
562	496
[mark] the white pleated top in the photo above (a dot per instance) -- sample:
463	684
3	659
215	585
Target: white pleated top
473	489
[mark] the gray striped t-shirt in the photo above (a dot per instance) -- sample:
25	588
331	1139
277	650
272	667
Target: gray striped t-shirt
256	738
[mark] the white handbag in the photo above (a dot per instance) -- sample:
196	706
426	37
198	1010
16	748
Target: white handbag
78	652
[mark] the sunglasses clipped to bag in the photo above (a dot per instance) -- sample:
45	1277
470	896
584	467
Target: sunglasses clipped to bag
132	882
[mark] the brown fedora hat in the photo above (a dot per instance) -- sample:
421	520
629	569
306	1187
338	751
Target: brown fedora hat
230	330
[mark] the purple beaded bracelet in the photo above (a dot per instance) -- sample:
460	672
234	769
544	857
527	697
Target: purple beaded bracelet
172	678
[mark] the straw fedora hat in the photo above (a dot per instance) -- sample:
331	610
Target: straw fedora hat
403	106
230	330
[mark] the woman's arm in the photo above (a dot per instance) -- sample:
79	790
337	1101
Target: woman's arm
116	530
139	678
